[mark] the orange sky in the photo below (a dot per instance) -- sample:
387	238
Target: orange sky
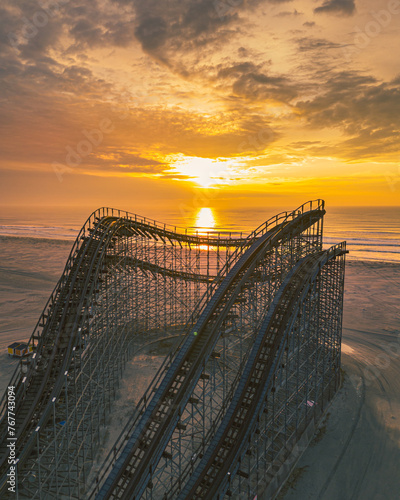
248	103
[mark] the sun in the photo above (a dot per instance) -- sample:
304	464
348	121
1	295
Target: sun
205	218
204	171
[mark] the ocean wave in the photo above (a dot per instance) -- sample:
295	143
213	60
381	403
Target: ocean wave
37	239
364	242
376	251
42	232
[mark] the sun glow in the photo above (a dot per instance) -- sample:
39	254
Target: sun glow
205	172
205	219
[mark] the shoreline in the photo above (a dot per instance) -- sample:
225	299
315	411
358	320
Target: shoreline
69	241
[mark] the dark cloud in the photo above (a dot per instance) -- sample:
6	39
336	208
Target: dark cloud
170	30
336	96
307	44
87	33
179	34
309	24
85	29
367	111
249	81
9	24
343	7
202	17
287	13
99	24
243	52
152	33
29	29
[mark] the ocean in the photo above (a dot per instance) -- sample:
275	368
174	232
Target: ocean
372	233
35	244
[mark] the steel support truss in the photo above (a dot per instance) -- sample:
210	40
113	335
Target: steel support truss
129	281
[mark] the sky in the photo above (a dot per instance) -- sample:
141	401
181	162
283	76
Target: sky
222	103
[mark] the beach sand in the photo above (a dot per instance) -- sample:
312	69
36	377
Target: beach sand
358	456
29	272
357	453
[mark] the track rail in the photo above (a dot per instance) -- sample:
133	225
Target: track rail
57	333
132	225
132	470
219	463
45	378
154	269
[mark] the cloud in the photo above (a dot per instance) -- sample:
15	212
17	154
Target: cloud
364	109
303	144
108	159
123	157
318	55
110	168
152	33
99	24
286	13
343	7
251	82
216	94
307	44
176	176
170	29
49	116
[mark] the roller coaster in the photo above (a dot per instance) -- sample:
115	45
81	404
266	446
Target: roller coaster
259	322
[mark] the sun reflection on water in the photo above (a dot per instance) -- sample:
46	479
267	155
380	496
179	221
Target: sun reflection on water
205	220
